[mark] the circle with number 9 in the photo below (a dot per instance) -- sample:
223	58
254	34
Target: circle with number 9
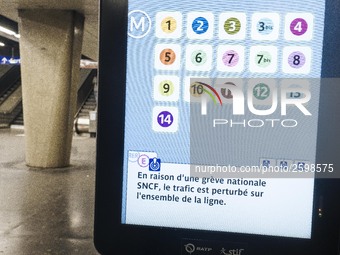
296	59
198	57
232	26
169	25
166	88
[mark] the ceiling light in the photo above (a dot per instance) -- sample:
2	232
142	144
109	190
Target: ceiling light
2	44
7	31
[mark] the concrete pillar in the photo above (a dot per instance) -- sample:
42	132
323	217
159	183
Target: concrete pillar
50	51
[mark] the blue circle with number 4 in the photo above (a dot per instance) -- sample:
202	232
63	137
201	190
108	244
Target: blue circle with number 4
200	25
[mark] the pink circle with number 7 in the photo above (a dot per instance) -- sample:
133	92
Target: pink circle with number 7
230	58
298	26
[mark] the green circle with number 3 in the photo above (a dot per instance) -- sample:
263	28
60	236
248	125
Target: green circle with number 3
199	57
232	26
166	88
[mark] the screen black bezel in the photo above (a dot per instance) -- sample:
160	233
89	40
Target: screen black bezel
112	237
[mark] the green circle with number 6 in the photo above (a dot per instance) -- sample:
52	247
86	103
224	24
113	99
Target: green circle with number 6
166	88
199	57
232	26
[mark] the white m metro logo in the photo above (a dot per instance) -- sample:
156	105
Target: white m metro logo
139	24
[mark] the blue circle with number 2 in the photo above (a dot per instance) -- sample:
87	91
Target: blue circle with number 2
200	25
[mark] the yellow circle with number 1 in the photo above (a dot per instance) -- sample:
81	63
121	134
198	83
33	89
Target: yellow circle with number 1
166	88
169	25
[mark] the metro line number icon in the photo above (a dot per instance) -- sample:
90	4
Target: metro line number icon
139	24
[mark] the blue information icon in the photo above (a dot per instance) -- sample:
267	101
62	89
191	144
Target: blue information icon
200	25
155	164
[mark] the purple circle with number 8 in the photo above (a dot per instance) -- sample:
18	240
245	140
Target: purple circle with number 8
165	119
296	59
230	58
298	26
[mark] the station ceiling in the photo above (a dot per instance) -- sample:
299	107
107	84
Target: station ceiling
89	8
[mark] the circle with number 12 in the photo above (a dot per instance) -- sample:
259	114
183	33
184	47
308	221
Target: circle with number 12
261	91
165	119
199	57
298	26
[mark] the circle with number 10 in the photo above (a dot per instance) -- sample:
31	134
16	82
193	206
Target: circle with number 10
166	88
298	26
199	57
165	119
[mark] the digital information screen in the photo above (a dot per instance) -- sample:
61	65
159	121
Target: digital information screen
221	111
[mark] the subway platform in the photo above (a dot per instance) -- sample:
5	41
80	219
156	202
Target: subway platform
46	211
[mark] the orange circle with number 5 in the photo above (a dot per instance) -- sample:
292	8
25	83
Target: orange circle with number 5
167	56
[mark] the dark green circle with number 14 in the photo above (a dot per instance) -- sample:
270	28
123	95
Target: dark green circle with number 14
232	26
